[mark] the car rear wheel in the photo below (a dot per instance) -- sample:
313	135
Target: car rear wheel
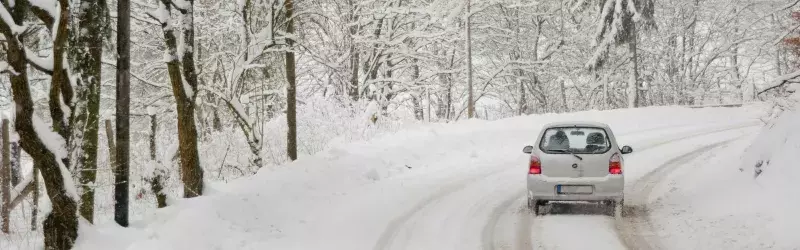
615	208
531	203
534	205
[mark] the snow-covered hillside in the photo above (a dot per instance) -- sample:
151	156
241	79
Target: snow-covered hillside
440	185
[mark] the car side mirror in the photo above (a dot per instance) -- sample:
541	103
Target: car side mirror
627	150
527	149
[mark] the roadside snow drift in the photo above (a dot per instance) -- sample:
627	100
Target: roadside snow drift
346	196
718	202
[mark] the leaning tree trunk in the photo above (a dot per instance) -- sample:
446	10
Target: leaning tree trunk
191	172
86	58
61	224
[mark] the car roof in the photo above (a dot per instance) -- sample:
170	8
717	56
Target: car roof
576	123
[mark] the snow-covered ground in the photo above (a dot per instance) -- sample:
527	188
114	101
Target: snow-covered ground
454	186
717	202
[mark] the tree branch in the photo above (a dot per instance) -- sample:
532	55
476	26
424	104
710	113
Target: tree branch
780	81
154	84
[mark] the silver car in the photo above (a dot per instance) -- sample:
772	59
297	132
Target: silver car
576	161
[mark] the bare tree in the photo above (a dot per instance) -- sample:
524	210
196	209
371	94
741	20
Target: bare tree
86	51
184	84
48	149
617	25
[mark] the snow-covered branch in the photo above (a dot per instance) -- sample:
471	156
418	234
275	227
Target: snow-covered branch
8	22
137	76
5	68
780	81
43	64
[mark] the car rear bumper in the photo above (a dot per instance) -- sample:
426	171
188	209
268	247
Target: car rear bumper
607	188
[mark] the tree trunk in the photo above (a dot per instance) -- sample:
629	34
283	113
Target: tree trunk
428	97
387	92
291	95
449	102
61	225
61	86
122	171
5	180
16	172
190	159
156	183
523	100
35	197
87	54
415	99
191	172
418	112
563	90
352	86
606	94
470	100
633	84
112	148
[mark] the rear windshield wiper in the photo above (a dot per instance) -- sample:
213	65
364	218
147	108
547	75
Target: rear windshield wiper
566	151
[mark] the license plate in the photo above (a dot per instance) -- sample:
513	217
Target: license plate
574	189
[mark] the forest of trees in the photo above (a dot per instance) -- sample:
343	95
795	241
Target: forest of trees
207	89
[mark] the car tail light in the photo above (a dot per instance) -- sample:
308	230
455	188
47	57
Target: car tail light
615	164
535	166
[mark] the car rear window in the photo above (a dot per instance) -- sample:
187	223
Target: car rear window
578	140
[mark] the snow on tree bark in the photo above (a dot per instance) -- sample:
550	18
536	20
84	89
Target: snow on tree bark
157	180
86	54
190	159
191	172
61	224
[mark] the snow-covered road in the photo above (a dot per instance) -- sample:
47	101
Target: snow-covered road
490	213
440	186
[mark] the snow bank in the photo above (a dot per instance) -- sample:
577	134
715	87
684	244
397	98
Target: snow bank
718	202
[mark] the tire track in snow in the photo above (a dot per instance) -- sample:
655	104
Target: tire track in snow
635	230
384	242
489	230
524	230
